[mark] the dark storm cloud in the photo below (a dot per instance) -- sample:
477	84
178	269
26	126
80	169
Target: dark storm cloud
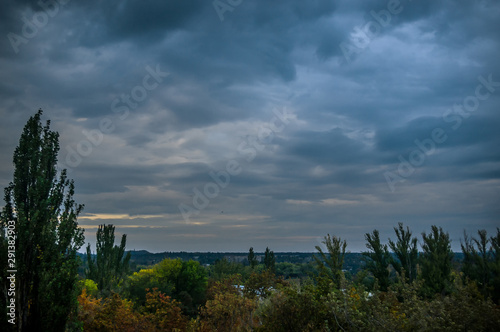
321	172
328	148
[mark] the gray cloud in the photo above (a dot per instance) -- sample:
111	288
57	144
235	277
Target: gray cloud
321	170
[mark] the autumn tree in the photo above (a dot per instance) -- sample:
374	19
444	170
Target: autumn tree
436	261
406	251
164	312
227	309
330	264
109	266
378	259
260	284
39	202
110	314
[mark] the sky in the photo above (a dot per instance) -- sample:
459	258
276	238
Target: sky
229	124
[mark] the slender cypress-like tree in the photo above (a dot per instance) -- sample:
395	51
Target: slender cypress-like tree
269	260
42	207
109	265
252	259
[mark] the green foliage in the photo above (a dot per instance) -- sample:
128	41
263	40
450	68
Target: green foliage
477	258
260	285
436	262
185	281
269	260
378	259
252	259
109	267
48	236
406	251
481	262
227	309
291	308
330	265
190	286
495	267
89	286
401	309
295	270
137	284
267	303
222	268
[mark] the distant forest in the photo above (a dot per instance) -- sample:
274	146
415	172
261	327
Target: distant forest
353	262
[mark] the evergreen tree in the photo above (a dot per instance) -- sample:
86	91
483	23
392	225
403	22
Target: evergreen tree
269	260
109	266
47	239
378	259
406	252
436	261
252	260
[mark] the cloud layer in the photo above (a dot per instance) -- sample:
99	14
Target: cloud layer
198	126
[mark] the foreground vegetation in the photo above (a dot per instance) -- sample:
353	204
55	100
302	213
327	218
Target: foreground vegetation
176	295
401	287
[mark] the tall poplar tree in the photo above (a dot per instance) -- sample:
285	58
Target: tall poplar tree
109	266
378	259
45	214
436	261
330	264
269	260
406	251
252	259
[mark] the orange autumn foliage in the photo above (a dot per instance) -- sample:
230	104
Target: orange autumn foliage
163	312
116	314
227	309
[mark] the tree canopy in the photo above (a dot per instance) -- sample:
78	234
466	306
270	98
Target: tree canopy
110	264
40	202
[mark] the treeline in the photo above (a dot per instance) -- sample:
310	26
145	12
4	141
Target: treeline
143	257
400	289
